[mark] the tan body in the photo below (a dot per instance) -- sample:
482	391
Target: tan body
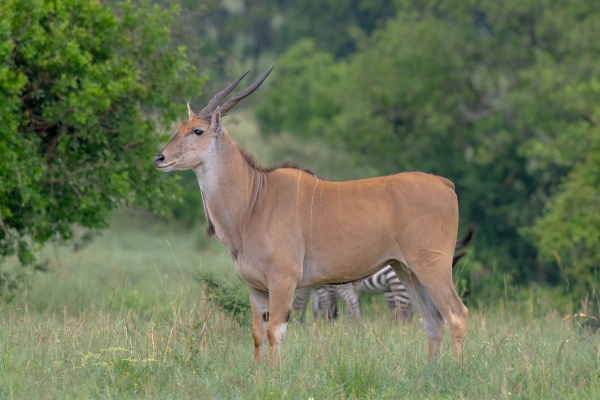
341	231
287	229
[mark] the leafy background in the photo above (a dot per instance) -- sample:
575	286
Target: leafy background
501	99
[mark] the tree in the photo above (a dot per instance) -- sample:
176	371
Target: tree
83	97
569	229
334	25
499	98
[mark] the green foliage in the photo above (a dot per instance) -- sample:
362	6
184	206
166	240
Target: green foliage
83	97
500	99
232	298
302	101
569	231
226	37
335	25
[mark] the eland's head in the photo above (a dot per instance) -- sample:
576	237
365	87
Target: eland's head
198	136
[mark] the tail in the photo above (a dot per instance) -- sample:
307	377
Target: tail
464	242
457	257
461	244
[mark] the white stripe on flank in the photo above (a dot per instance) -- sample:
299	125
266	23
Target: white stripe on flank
311	207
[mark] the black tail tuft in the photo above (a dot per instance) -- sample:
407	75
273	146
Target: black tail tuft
464	242
457	257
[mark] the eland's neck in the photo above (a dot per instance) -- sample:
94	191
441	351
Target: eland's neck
227	184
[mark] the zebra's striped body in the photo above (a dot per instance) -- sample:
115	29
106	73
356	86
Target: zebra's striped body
385	281
325	298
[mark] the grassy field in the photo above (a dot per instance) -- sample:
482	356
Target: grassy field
123	318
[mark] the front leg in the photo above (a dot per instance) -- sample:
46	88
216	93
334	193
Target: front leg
260	315
281	293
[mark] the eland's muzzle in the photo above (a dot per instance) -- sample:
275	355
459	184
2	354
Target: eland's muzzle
158	159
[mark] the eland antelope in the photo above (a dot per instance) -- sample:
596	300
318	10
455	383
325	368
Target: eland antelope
286	228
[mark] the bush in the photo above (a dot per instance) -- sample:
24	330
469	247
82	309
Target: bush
231	298
83	95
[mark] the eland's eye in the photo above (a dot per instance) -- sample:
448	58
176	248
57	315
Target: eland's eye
198	131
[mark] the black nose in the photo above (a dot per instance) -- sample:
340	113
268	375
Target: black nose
159	158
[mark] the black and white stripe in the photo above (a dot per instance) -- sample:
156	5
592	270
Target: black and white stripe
325	301
300	301
385	281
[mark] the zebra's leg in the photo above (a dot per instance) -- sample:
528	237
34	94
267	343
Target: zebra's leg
259	302
300	302
393	306
332	302
398	302
349	296
325	302
316	296
406	313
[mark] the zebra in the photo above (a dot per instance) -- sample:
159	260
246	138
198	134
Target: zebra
325	297
325	301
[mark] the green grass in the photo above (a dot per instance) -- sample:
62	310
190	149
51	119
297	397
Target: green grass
123	318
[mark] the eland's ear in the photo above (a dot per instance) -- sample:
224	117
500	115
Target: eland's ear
190	112
215	121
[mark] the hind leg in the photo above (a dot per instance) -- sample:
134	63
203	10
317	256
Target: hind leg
431	319
444	296
350	297
435	279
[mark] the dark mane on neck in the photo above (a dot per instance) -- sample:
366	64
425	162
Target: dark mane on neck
253	163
